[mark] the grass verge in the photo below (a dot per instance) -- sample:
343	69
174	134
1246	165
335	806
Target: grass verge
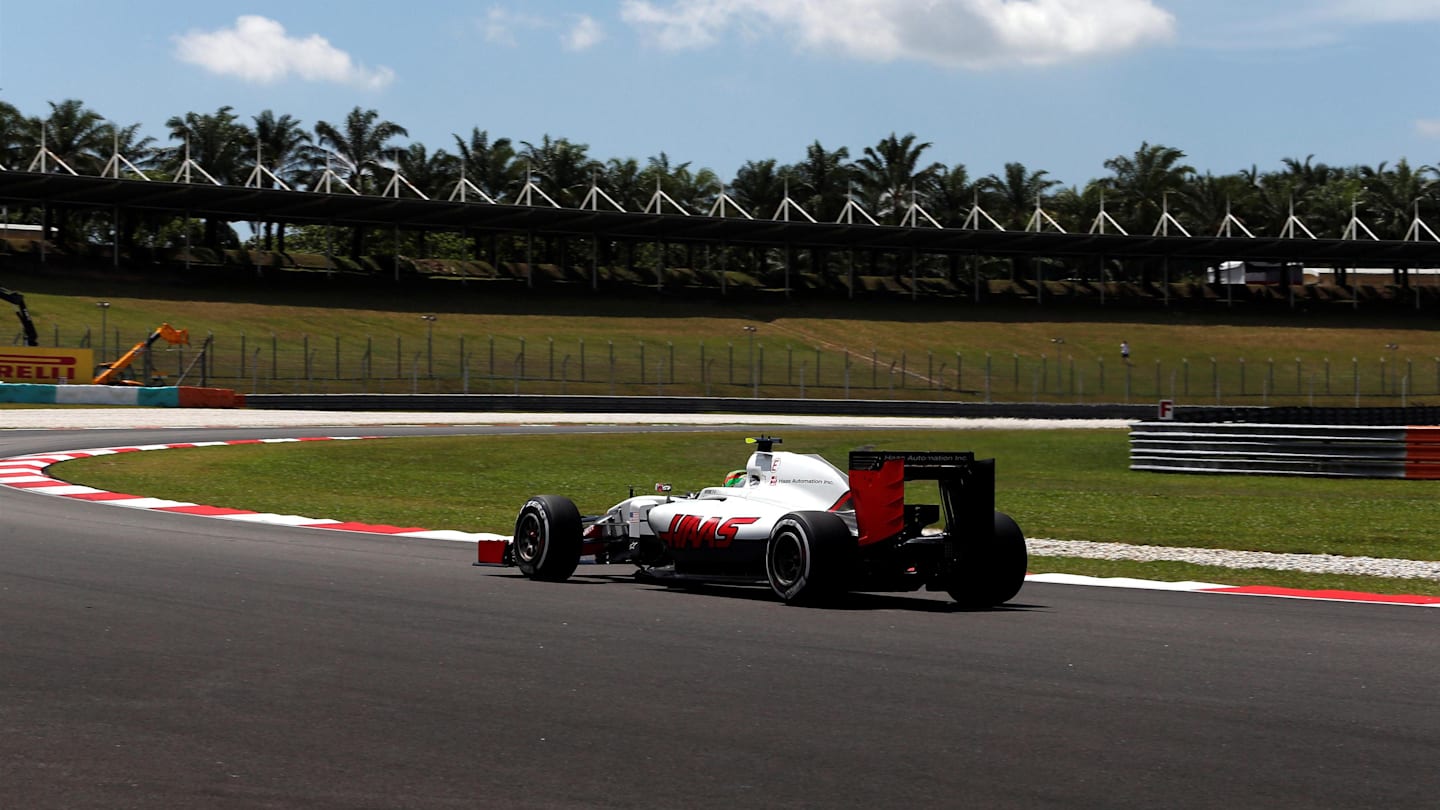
1067	484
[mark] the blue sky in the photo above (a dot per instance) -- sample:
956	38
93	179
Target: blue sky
1059	85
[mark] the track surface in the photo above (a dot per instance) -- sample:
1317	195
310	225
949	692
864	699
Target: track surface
153	660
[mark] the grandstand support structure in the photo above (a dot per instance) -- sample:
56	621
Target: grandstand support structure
1230	223
1103	219
1287	231
44	157
1418	226
118	161
194	193
188	169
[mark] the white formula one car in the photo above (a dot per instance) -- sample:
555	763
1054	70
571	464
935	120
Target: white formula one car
799	523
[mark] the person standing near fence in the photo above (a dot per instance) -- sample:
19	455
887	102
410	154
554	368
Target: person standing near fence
1125	351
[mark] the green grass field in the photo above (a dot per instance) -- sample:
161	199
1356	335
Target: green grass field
1065	484
482	340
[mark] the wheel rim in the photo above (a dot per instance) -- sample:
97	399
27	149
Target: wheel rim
529	538
787	560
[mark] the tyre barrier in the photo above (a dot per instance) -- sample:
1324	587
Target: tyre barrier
1327	451
175	396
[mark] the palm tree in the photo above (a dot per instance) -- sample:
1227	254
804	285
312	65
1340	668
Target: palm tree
826	176
286	148
1016	192
952	194
1209	198
1140	182
362	143
1393	193
891	171
624	183
694	190
218	143
433	175
490	165
14	134
759	186
76	135
288	151
1015	196
563	168
73	133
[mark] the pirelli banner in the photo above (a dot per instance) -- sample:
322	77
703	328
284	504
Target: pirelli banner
28	364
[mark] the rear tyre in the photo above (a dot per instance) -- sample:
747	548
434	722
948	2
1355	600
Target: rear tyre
991	573
547	538
807	557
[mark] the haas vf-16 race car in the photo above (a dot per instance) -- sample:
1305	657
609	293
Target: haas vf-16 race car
799	523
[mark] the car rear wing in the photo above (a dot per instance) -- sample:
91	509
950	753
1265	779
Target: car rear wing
877	485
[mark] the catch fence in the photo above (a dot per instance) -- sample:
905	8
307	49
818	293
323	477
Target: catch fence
500	364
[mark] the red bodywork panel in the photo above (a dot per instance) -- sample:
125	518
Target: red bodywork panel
490	552
879	501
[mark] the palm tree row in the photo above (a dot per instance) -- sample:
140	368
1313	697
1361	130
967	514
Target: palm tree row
891	181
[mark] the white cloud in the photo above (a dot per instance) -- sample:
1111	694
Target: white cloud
1385	10
583	35
1428	127
257	49
500	24
974	34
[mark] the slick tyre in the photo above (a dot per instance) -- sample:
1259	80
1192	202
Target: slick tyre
547	538
991	573
808	556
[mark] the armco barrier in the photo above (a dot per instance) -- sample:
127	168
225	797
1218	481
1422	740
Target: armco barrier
154	397
662	405
1334	451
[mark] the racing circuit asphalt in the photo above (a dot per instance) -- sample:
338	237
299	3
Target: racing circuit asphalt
165	661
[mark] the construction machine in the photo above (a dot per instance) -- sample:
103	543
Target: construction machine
115	372
32	338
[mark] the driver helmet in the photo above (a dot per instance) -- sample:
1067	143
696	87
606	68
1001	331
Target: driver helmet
735	478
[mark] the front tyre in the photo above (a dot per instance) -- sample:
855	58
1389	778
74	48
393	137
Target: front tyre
807	557
547	538
990	574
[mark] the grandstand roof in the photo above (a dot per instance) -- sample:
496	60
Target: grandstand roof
239	204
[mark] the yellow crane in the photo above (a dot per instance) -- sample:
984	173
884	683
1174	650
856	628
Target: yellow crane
114	371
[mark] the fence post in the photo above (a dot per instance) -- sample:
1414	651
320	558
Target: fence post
759	367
